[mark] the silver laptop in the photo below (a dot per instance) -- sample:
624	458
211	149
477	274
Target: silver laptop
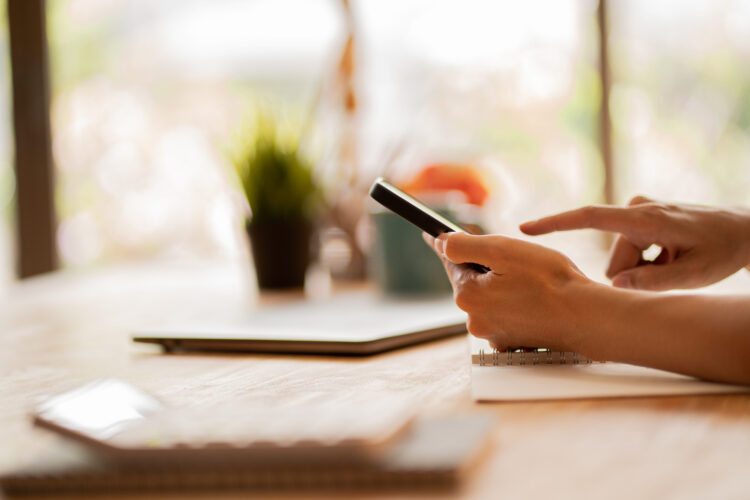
351	323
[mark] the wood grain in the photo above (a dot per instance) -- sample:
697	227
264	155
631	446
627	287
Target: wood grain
61	330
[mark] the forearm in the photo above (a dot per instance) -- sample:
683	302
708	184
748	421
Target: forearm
703	336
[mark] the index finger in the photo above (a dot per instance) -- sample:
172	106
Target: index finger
602	217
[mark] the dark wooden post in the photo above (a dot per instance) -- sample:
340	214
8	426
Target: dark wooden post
605	120
35	214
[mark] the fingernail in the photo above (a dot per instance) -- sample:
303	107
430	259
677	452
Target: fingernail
441	246
441	239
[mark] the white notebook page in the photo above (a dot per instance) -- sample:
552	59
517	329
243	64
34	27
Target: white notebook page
581	381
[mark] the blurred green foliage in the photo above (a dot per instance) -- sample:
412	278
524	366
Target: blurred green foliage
276	178
699	104
77	50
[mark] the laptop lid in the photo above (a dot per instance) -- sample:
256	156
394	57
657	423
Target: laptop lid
351	323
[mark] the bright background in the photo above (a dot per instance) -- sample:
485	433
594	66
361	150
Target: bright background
147	95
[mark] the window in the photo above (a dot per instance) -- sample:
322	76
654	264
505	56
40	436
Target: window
146	97
512	87
148	93
681	99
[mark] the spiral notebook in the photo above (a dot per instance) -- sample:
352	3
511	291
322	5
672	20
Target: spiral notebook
542	374
117	438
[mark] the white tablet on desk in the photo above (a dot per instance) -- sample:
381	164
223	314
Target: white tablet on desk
352	323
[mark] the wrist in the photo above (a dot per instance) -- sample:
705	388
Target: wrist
602	315
584	301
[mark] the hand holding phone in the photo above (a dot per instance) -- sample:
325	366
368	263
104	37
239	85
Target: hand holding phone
416	212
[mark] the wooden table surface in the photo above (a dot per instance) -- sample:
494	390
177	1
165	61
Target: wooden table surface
65	329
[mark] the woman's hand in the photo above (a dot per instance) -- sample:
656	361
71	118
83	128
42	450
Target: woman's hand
699	245
531	297
536	297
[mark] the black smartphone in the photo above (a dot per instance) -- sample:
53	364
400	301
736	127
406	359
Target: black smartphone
415	212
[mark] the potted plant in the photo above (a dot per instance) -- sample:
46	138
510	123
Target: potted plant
283	197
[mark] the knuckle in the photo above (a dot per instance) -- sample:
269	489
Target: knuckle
638	199
656	209
448	247
463	298
650	286
587	214
671	208
637	282
647	282
645	210
660	208
472	286
499	344
635	200
650	214
477	327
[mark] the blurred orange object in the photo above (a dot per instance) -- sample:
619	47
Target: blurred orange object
449	177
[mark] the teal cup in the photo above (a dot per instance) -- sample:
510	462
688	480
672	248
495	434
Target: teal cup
401	262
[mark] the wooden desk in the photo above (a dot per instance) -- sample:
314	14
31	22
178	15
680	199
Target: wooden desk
65	329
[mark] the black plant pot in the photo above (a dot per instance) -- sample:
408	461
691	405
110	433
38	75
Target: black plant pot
281	251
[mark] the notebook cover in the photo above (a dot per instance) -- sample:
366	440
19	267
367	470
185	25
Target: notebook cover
434	454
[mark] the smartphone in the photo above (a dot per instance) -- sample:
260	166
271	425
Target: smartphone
416	212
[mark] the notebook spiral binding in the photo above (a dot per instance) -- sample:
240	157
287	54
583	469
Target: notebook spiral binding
533	357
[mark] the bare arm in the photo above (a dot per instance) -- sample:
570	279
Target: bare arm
700	335
536	296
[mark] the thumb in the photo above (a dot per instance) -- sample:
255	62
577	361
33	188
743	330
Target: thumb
463	248
654	277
